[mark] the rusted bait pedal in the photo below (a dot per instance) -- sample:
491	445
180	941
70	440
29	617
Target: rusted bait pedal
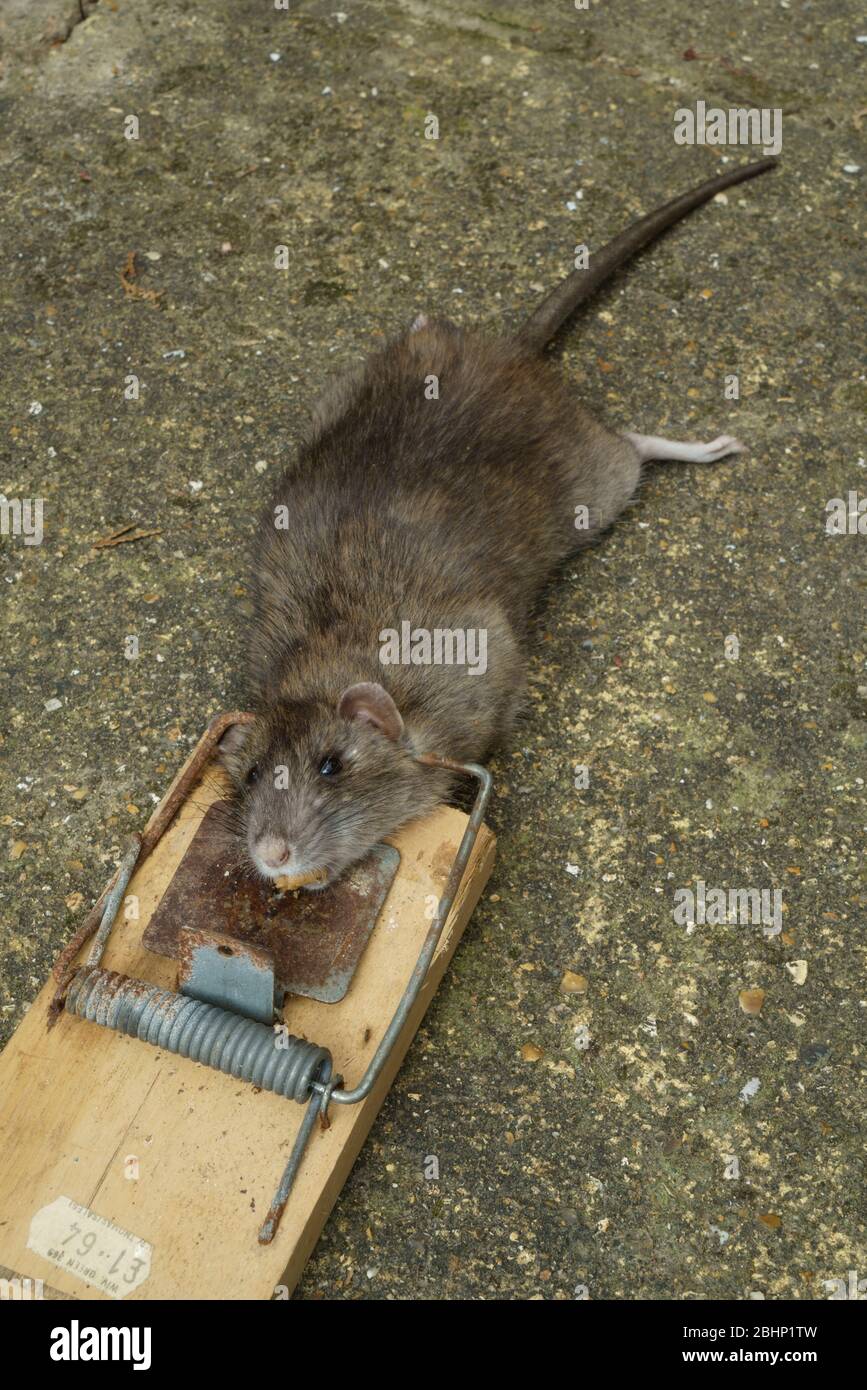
241	949
281	942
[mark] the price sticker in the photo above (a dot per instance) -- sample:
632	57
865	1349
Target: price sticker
90	1247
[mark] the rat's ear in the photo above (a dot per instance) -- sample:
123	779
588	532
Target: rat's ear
370	704
233	739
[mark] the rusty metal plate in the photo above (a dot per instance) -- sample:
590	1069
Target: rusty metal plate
316	939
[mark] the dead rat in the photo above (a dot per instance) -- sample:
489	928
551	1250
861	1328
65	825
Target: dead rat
441	484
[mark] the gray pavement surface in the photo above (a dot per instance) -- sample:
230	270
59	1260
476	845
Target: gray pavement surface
644	1135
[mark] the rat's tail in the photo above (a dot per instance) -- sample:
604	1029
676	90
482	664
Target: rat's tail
562	301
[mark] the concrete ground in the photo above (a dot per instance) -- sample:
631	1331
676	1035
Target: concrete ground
643	1136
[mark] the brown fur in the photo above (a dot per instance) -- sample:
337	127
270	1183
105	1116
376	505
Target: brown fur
446	513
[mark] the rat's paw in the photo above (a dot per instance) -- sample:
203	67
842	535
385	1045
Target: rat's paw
719	448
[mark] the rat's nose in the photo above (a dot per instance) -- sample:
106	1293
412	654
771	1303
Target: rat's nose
274	851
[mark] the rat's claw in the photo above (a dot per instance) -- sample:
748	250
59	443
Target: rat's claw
720	448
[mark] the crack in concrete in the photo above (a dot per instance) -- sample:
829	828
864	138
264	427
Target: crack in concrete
81	10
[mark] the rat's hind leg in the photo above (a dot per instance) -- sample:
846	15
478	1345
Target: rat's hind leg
650	446
604	473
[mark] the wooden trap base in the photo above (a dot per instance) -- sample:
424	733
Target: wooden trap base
84	1109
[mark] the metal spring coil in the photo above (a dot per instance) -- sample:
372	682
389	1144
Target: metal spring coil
203	1032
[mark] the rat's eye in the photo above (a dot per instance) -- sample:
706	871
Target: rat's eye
253	775
330	766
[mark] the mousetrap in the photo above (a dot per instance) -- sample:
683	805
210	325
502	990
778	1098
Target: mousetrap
181	1106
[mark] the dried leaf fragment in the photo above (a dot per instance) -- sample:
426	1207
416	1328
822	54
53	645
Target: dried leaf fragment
573	983
751	1000
798	970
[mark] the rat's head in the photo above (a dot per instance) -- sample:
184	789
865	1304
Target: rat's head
316	786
